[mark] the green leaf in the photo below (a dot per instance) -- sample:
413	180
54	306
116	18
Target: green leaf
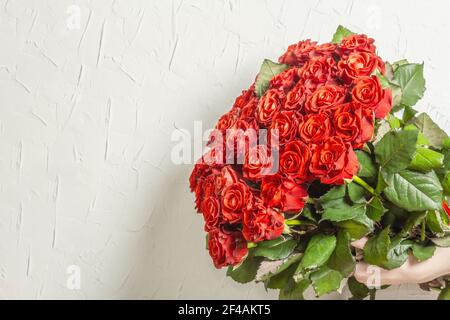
275	249
408	113
423	253
445	293
325	280
397	254
446	183
355	229
421	139
395	150
333	197
375	209
399	63
443	242
435	135
414	191
344	212
426	159
246	271
394	122
377	248
269	69
435	222
294	290
341	33
357	289
367	168
281	279
356	193
446	144
279	268
342	259
318	251
410	78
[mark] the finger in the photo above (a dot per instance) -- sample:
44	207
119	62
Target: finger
359	244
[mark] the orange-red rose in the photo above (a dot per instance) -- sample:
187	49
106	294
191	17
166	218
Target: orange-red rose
325	98
268	106
294	160
258	163
236	198
334	161
315	128
359	64
368	94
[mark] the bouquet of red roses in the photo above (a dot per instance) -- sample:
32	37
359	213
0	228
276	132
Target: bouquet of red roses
314	155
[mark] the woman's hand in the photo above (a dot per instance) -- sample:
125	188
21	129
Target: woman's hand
411	271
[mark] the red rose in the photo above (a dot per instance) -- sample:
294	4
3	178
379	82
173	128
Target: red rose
359	64
261	223
368	93
325	98
294	160
269	104
226	177
286	80
358	42
334	161
227	121
315	128
286	123
295	98
245	98
346	124
236	198
283	193
258	163
226	247
239	139
298	53
211	213
197	180
325	49
318	70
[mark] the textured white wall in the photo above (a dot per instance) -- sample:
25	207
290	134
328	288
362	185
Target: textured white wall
86	116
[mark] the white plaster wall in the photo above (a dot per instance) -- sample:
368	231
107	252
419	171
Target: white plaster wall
86	116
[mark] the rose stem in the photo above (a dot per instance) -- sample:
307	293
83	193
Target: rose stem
364	184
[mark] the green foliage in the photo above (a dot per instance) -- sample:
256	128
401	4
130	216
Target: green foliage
395	200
